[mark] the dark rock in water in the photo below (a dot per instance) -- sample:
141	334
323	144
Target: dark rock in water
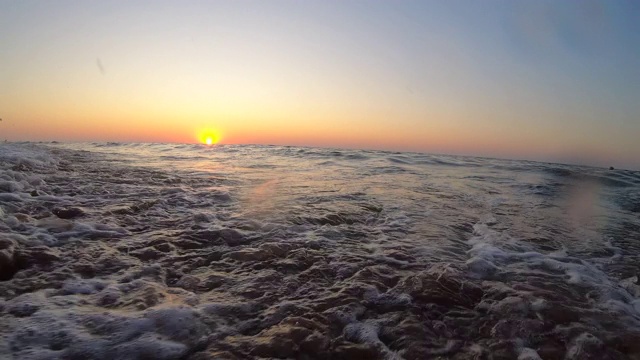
68	213
611	168
14	258
7	259
34	193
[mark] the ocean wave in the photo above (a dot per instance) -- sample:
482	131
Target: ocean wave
138	251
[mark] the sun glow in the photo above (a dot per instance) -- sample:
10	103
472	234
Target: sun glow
209	137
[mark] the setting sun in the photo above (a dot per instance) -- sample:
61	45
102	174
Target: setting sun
209	136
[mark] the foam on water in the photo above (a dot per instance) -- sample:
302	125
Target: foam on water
138	251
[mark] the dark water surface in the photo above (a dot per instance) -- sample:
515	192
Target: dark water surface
143	251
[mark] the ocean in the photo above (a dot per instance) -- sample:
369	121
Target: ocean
169	251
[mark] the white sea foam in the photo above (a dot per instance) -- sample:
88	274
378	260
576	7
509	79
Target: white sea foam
138	251
489	259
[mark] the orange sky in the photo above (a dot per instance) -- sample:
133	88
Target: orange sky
419	76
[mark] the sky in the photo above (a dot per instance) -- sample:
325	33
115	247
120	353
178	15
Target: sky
540	80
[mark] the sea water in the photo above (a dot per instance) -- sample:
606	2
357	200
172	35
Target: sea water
165	251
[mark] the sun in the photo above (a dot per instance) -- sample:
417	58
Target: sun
209	136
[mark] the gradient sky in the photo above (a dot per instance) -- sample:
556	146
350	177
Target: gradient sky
542	80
